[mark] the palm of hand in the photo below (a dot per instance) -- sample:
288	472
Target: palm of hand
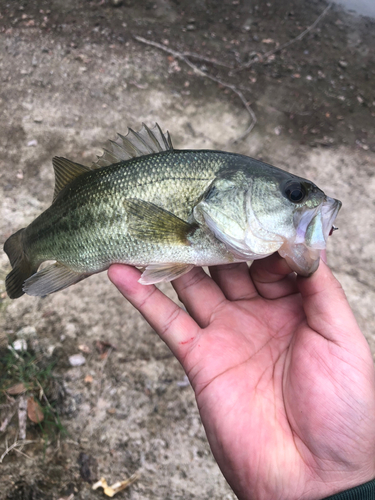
281	403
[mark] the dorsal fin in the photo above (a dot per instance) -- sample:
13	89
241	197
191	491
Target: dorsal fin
65	172
134	144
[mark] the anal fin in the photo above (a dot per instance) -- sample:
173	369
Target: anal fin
156	273
52	279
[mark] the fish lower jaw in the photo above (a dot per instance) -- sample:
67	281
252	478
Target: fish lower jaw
301	259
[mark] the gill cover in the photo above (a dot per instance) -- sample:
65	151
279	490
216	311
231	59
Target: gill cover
226	209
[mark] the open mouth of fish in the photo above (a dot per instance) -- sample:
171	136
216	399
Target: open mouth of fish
313	228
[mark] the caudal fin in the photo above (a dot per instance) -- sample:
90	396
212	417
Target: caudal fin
22	268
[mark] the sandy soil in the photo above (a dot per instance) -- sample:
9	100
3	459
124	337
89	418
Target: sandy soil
71	77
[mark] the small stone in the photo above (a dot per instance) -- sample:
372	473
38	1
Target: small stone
183	383
20	345
32	143
38	119
343	64
26	332
77	360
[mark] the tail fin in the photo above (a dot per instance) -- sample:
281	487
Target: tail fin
22	267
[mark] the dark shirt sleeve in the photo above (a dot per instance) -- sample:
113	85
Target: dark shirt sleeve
363	492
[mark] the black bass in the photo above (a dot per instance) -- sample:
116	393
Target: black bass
145	204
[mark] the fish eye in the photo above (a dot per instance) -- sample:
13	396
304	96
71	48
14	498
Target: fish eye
295	192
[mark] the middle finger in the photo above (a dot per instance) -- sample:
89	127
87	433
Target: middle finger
199	294
234	280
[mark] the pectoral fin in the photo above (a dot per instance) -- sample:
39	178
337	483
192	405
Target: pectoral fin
156	273
52	279
152	223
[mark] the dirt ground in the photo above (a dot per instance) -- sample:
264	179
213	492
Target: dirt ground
72	75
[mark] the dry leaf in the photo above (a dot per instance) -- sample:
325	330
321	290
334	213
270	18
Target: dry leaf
102	346
88	379
84	348
111	491
16	389
34	411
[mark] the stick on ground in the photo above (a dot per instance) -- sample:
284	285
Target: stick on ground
233	88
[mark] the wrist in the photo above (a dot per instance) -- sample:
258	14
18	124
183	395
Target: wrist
364	491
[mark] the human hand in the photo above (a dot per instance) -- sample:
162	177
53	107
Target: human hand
283	377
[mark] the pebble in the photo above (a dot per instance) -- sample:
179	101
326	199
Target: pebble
32	143
20	345
26	332
77	360
183	383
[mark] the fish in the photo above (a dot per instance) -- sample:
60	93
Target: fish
164	210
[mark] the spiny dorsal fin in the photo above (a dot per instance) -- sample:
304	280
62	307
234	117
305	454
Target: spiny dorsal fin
65	172
134	144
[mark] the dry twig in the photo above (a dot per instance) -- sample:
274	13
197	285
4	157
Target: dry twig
22	416
194	55
198	71
17	444
284	45
11	408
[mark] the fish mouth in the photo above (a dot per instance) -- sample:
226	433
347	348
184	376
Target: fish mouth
313	227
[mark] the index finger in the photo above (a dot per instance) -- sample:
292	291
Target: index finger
200	295
173	324
327	308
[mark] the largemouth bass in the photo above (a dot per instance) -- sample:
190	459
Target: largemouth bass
145	204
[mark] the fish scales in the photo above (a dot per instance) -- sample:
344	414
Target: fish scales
87	223
167	210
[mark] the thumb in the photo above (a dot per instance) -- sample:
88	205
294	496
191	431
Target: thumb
327	308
